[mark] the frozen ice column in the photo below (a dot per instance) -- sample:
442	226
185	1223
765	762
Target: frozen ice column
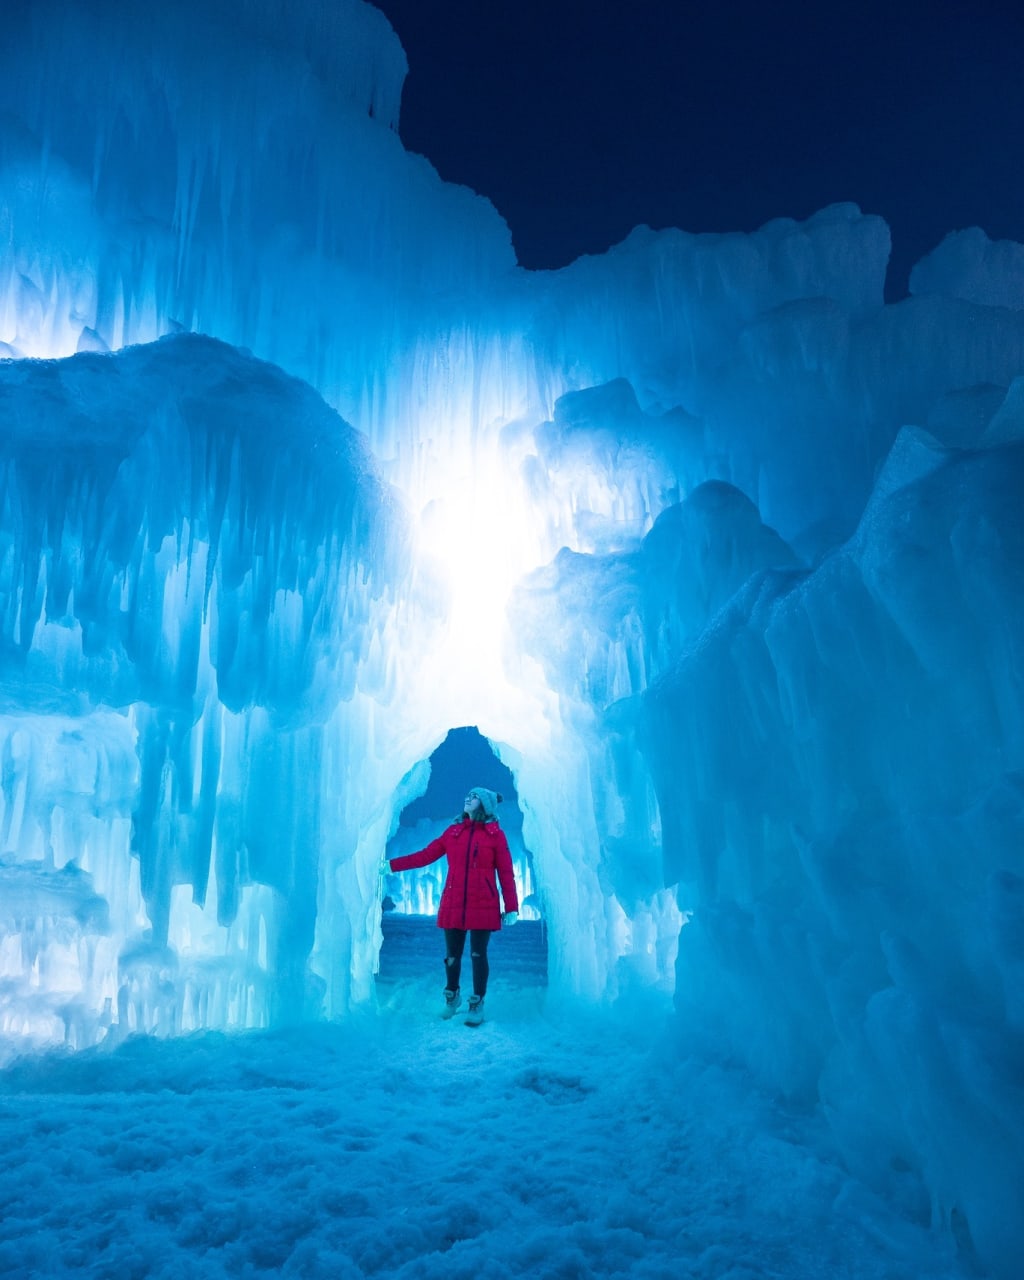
197	561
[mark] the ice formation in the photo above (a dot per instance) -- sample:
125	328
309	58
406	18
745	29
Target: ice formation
197	564
721	553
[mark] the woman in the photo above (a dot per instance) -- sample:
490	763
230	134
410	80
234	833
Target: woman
476	849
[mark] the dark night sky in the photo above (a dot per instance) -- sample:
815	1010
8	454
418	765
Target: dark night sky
580	120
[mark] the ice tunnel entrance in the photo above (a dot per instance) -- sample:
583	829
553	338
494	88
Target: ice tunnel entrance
412	946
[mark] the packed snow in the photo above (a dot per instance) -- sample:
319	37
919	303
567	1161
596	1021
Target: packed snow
544	1143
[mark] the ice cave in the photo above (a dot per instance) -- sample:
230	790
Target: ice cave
720	553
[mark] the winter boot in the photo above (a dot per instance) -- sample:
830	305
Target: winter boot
452	1000
475	1013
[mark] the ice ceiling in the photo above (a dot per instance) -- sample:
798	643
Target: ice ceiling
299	470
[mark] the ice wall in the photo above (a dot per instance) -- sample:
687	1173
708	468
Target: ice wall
233	168
827	760
839	765
198	567
230	167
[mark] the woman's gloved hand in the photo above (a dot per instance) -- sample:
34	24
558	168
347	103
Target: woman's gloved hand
509	917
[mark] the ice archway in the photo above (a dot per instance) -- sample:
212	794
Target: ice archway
230	653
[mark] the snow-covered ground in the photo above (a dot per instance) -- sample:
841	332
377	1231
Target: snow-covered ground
395	1144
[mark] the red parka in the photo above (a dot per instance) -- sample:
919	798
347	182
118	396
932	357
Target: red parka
475	851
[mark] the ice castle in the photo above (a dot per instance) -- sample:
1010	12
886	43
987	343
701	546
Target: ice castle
723	554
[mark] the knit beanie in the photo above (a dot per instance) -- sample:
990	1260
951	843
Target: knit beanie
489	799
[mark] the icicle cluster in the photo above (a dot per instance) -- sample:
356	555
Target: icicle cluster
196	564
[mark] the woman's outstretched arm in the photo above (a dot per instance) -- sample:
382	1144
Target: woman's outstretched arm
423	858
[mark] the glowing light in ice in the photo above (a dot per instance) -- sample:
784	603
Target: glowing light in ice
482	536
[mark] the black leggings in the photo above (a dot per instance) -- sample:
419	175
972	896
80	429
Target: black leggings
454	945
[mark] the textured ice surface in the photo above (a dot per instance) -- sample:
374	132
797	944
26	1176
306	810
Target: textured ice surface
836	755
196	559
967	264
